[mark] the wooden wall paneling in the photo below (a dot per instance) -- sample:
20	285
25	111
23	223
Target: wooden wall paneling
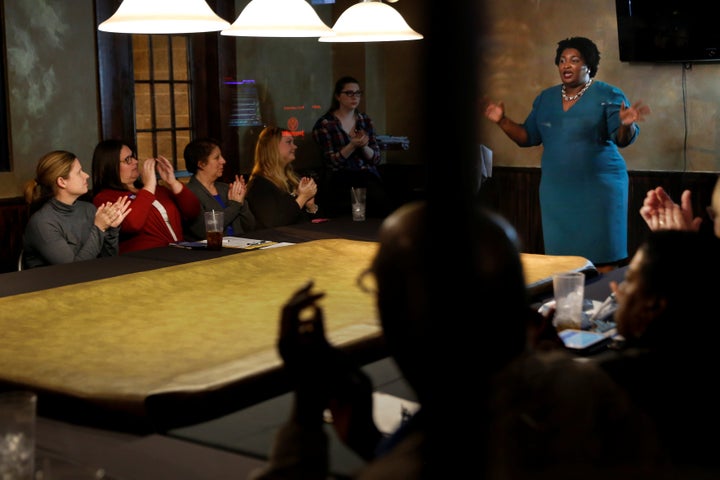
13	218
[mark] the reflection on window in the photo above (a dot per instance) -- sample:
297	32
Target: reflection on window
246	104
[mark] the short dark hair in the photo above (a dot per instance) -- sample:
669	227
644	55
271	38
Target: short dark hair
196	151
587	49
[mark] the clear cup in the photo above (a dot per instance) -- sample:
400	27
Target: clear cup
569	292
214	227
17	435
358	196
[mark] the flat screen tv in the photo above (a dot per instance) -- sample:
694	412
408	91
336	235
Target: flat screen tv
683	31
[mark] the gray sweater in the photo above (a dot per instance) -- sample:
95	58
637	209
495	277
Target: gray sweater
61	233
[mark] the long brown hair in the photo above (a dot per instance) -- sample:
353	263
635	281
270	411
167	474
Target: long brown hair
268	162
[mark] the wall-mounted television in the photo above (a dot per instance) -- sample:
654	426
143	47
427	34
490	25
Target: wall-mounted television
683	31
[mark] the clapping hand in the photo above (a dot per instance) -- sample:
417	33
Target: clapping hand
167	173
324	377
661	213
359	138
307	189
149	178
112	214
237	190
306	354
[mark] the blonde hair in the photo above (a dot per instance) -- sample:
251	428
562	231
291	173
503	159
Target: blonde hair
50	167
268	162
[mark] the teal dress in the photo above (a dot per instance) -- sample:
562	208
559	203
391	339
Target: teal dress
584	184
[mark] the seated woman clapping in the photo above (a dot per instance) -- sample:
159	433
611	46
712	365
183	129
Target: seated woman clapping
204	159
276	194
62	228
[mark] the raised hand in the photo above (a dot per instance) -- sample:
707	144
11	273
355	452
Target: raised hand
493	111
307	189
112	214
149	178
167	173
306	354
661	213
237	189
634	113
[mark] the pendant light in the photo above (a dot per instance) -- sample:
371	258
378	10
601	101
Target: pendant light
163	17
371	21
278	18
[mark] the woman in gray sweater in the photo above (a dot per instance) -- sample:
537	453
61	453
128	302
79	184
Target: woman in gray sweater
62	228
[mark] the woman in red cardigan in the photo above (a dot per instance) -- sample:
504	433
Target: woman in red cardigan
158	210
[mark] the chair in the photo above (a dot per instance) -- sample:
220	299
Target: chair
482	168
20	261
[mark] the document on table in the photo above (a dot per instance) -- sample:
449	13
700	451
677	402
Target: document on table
390	411
235	242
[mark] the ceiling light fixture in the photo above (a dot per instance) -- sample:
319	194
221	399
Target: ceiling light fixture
278	18
163	17
371	21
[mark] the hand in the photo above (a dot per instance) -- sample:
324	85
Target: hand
359	138
634	113
661	213
307	189
307	355
167	173
149	178
493	111
237	189
112	214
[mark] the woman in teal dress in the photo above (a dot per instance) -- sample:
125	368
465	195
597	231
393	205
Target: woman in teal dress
581	124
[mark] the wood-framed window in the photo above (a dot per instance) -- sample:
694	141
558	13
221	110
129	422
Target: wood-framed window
163	101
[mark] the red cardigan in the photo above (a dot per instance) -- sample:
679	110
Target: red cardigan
145	227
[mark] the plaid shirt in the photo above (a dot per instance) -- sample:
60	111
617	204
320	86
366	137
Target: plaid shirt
331	138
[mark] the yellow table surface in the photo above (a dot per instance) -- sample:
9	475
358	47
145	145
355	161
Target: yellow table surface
190	327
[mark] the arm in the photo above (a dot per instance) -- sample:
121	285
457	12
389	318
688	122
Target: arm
322	377
628	117
495	112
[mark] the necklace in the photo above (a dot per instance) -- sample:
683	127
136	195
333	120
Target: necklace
570	98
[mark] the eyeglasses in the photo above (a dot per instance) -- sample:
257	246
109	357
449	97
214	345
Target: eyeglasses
366	281
129	159
353	93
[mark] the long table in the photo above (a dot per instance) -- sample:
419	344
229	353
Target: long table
167	337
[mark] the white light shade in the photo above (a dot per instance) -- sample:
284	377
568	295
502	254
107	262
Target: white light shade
371	21
278	18
164	17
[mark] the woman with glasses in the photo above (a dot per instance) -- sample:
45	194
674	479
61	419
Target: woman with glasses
158	210
62	228
351	155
